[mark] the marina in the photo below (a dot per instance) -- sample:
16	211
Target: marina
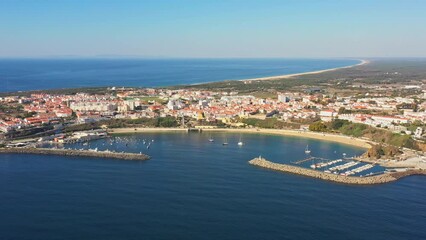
325	164
359	169
124	146
183	171
344	166
353	180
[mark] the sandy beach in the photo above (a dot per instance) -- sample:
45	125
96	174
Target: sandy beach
304	134
363	62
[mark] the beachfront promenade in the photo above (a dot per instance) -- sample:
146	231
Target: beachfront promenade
377	179
77	153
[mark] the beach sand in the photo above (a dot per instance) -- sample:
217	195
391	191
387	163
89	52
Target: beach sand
363	62
304	134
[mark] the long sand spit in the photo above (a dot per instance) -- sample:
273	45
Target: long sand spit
77	153
363	62
377	179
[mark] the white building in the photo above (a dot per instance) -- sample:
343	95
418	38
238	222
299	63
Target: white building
327	115
418	133
93	106
175	105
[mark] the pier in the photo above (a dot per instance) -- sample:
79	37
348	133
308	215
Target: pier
77	153
359	169
325	164
375	179
309	159
344	166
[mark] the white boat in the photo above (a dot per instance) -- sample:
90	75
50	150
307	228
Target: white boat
240	143
307	151
225	143
211	139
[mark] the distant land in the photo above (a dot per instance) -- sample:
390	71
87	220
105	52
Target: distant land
42	74
377	71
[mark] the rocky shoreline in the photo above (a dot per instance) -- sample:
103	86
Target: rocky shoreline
78	153
377	179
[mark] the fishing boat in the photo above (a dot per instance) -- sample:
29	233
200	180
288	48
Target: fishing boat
307	151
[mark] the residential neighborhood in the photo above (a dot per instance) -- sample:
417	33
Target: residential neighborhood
202	107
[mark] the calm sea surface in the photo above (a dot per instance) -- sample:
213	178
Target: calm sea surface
36	74
194	189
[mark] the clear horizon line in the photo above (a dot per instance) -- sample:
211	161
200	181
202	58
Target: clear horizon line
189	57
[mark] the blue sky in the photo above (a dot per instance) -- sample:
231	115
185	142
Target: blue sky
201	28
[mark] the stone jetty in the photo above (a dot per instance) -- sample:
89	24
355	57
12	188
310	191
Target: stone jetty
76	153
376	179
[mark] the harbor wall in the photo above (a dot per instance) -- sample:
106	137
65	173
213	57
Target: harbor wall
376	179
76	153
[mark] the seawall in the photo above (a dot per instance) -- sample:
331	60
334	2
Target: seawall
377	179
78	153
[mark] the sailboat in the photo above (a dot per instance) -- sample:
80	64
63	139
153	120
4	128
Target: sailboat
240	143
211	139
225	143
307	151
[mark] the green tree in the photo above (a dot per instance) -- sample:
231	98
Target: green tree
318	127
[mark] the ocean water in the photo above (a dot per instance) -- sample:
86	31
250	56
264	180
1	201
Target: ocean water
194	189
38	74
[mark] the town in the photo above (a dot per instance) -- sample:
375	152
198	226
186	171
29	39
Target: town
39	113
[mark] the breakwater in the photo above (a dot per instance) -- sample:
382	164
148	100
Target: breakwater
77	153
376	179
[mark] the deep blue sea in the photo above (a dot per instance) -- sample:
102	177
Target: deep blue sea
38	74
194	189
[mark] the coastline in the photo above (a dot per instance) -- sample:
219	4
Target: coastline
285	76
282	132
277	77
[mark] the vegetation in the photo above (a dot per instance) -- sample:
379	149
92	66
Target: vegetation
378	71
11	108
270	123
352	129
385	137
30	132
118	123
414	125
318	127
389	142
67	91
